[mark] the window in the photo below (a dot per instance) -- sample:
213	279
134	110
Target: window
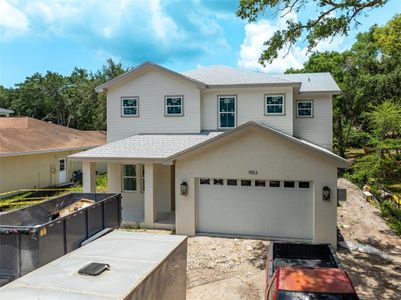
289	184
204	181
129	178
303	184
260	183
174	105
274	105
62	165
305	109
274	183
232	182
218	182
129	106
227	111
246	182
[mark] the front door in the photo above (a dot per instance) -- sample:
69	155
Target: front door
62	171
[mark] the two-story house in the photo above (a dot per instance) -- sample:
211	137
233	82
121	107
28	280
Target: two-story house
221	151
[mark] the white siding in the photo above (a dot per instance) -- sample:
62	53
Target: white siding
250	107
272	157
151	87
319	129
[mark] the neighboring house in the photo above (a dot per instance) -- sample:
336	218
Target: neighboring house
231	152
5	112
33	153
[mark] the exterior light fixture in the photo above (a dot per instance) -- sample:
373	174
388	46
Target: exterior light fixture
184	188
326	193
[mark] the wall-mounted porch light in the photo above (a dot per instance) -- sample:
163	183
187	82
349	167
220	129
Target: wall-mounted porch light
326	193
184	188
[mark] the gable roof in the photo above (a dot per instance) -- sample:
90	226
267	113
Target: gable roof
341	162
146	65
24	135
216	76
146	147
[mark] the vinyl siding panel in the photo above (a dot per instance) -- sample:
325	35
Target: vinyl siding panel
319	129
250	107
152	87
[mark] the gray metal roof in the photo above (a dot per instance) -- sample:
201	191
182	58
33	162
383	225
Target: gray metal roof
219	75
151	147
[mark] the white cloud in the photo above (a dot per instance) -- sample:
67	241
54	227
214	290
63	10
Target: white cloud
13	21
257	33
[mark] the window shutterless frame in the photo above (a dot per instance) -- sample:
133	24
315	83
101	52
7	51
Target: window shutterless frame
128	177
275	105
133	106
226	110
168	105
302	112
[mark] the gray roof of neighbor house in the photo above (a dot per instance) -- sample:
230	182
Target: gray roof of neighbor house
223	76
167	147
151	147
6	111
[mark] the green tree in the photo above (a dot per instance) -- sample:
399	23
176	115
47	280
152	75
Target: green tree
386	121
333	18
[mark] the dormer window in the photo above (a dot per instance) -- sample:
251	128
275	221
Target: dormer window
305	109
174	105
129	106
274	104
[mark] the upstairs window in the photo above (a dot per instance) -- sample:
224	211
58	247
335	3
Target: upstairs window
305	109
174	105
129	106
129	178
274	104
227	112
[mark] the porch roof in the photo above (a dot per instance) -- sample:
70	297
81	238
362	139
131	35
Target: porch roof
155	147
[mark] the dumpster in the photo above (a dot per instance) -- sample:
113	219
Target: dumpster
34	236
136	266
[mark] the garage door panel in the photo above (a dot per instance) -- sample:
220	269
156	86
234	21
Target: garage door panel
255	211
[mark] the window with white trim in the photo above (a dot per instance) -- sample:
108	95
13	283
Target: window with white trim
129	106
174	105
305	109
227	111
142	178
274	104
129	178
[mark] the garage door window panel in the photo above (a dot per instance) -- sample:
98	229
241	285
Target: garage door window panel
274	183
260	183
246	182
304	184
218	182
289	184
227	111
204	181
232	182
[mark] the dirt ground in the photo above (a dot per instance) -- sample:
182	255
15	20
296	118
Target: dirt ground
222	268
360	221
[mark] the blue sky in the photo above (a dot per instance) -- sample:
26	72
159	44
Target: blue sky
57	35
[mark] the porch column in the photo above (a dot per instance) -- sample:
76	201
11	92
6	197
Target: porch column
89	176
150	198
114	177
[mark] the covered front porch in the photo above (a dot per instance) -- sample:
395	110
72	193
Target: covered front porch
147	189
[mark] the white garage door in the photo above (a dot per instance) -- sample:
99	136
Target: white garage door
282	209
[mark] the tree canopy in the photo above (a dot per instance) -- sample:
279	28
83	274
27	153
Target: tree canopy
333	18
65	100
